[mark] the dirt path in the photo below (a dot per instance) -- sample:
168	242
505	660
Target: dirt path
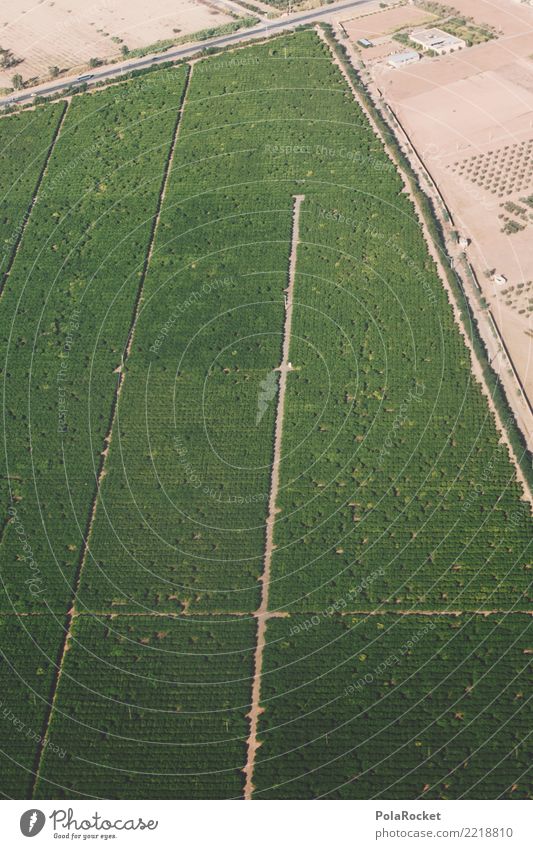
262	613
476	368
71	613
413	612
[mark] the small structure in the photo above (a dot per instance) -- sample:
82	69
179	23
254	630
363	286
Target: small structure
437	40
365	42
464	241
400	60
500	279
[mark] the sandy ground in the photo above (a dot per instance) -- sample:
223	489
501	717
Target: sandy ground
67	33
470	117
382	22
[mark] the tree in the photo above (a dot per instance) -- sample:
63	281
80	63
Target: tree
7	59
94	62
16	81
124	49
53	71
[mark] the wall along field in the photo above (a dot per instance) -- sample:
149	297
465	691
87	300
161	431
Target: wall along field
396	494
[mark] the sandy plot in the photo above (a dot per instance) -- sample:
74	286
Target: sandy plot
67	33
383	22
437	73
468	115
507	16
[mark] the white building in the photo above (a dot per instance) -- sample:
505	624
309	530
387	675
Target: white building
437	40
399	60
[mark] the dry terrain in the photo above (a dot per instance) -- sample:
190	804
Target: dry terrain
470	117
67	33
375	22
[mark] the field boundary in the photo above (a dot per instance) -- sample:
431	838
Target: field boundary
71	613
27	215
262	612
243	614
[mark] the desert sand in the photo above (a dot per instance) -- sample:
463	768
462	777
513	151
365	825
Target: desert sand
67	33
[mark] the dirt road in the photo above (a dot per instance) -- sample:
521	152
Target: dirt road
262	613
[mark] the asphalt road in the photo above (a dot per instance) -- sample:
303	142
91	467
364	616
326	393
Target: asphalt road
243	35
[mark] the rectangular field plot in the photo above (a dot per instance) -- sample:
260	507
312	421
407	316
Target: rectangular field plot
395	488
395	708
66	311
28	657
24	139
180	522
152	708
25	142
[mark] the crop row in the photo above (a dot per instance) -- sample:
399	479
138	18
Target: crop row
395	487
180	524
28	657
64	320
66	311
25	139
395	708
151	708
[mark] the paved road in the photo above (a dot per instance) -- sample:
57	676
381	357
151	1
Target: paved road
111	71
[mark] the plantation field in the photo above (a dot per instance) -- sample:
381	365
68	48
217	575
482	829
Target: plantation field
184	499
396	707
141	332
27	666
152	707
66	311
27	138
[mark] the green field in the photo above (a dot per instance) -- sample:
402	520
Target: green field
141	326
151	707
396	707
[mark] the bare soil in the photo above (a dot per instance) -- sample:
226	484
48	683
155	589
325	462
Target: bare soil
381	22
67	33
469	115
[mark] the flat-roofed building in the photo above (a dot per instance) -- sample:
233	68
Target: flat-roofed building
399	60
437	40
